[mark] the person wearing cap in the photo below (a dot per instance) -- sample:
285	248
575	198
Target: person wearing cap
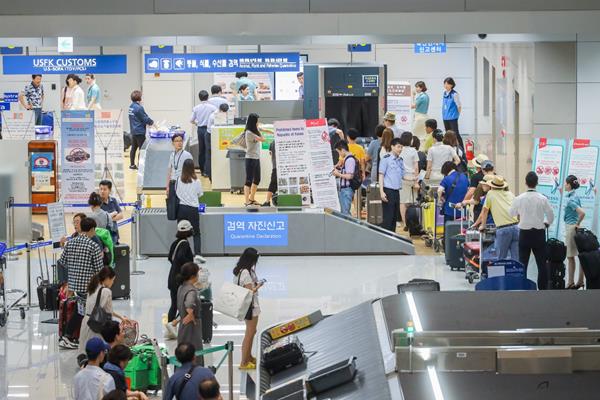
474	183
535	214
437	155
498	202
91	382
389	121
391	174
180	253
573	217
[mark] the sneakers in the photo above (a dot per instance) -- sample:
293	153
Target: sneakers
65	343
199	259
266	204
248	366
170	331
133	167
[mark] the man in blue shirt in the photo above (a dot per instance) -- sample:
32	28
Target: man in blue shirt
216	98
138	120
185	381
200	117
93	93
391	173
111	206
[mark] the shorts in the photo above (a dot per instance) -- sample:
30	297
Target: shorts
273	184
252	172
570	241
407	192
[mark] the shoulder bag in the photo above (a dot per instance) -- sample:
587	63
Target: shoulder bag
99	316
239	140
233	300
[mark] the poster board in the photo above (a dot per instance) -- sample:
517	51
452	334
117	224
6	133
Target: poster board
322	182
77	156
399	101
18	124
108	125
293	159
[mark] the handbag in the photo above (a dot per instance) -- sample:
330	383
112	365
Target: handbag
233	300
172	201
239	140
99	316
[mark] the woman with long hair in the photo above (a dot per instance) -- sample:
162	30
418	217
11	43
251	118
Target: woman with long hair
189	190
253	139
73	97
245	275
99	285
386	142
573	218
189	307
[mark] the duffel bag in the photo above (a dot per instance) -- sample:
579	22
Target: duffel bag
557	251
586	240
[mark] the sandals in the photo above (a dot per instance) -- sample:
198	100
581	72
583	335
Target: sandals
252	203
248	366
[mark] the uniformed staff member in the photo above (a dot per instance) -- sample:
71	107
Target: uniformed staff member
391	173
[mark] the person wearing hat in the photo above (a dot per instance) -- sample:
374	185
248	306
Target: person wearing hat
573	217
389	121
535	215
180	253
498	202
91	382
474	182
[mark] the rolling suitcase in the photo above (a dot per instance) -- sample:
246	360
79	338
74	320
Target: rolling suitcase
121	287
590	262
556	275
206	316
557	251
453	245
374	208
586	240
283	354
414	218
69	317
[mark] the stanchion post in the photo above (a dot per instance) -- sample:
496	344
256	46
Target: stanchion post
10	228
28	250
135	242
358	203
230	348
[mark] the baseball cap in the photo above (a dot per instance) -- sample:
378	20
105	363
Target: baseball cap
95	346
487	165
184	226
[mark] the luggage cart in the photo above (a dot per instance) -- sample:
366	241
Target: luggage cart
434	231
6	304
480	253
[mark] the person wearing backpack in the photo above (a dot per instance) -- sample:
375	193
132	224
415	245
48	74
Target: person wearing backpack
189	307
349	174
391	174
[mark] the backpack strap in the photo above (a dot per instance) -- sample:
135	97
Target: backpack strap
186	378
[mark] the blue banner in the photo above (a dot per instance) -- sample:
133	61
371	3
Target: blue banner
430	48
11	50
161	49
549	158
21	65
226	62
4	106
77	156
11	97
359	48
242	230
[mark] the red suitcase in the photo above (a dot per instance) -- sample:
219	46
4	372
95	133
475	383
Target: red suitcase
68	313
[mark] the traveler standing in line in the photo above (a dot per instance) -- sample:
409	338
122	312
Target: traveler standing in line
242	79
73	96
189	190
91	382
200	116
210	389
421	107
431	131
216	98
93	93
244	93
345	173
391	175
451	140
118	358
335	135
300	77
453	189
180	254
112	207
373	153
99	285
180	388
273	183
253	139
498	201
176	160
96	212
32	97
416	144
138	121
357	150
386	142
483	167
190	308
437	155
410	158
451	109
389	121
245	275
573	218
535	215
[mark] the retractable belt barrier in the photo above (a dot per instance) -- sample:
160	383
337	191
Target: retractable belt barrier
37	205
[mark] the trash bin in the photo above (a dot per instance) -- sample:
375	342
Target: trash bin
237	170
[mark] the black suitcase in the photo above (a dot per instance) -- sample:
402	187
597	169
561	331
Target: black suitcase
48	295
121	287
206	316
283	354
557	251
453	245
419	285
586	240
414	219
590	262
556	275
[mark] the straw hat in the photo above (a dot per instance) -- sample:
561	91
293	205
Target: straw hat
389	116
496	182
478	160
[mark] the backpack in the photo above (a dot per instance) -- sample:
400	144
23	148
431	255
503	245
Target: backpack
356	181
106	245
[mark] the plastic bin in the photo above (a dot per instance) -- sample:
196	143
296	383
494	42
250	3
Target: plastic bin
237	169
332	376
294	390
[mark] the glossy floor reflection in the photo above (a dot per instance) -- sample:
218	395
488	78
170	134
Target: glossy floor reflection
32	366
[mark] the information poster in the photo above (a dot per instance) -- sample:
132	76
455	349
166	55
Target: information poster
228	133
77	156
109	134
583	163
323	185
549	157
399	101
293	158
56	221
243	230
18	124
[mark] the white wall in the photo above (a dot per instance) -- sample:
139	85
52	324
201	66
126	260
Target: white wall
588	87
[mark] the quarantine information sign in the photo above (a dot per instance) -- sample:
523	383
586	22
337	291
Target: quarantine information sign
77	156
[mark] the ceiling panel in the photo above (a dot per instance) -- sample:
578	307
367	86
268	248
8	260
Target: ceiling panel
532	5
230	6
76	7
347	6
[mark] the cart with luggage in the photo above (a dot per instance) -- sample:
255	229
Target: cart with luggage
479	251
433	221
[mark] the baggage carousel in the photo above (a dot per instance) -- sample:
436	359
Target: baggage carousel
457	345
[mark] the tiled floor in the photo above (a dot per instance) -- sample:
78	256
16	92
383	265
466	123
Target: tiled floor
32	366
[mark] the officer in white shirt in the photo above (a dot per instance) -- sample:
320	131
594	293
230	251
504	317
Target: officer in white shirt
535	215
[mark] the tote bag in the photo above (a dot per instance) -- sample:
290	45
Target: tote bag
233	300
99	316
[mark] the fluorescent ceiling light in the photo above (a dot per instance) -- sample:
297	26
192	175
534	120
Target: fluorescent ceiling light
413	312
435	383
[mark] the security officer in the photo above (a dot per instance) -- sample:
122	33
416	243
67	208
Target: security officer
391	172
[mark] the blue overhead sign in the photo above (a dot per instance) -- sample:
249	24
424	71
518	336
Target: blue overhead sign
161	49
226	62
11	97
21	65
11	50
430	48
4	106
359	48
242	230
